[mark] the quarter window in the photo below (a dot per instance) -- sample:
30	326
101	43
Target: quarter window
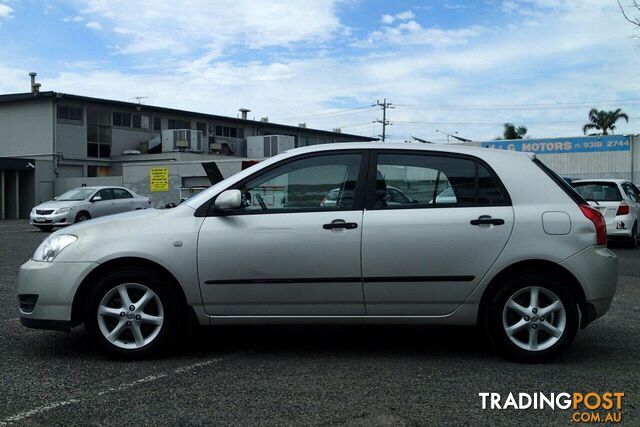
413	180
311	184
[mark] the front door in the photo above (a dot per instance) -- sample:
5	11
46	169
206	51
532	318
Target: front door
105	206
294	247
433	226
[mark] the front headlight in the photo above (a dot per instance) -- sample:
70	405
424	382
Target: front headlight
64	210
52	246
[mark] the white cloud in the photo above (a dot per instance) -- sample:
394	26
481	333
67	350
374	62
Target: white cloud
5	11
182	26
412	33
94	25
387	19
76	18
405	16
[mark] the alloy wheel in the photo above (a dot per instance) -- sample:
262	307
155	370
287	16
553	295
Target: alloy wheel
534	318
130	316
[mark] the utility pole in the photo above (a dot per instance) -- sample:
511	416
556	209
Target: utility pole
384	105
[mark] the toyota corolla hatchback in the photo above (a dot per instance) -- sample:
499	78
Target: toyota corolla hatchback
515	250
83	203
618	201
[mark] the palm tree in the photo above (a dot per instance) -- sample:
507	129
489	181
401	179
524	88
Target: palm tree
604	121
511	132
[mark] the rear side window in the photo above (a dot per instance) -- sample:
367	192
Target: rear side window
424	180
120	193
598	191
566	187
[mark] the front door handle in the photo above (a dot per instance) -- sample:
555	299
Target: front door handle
487	220
340	223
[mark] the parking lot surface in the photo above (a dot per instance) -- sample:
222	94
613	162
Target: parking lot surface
250	375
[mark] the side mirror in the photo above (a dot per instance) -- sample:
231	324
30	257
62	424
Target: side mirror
96	199
229	199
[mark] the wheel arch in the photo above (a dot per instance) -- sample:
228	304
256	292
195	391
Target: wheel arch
538	266
80	296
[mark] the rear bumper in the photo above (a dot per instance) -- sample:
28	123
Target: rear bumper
620	226
596	268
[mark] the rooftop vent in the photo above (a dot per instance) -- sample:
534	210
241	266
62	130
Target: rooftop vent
243	112
35	87
264	119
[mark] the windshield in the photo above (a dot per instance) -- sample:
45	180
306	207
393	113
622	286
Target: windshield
76	194
598	191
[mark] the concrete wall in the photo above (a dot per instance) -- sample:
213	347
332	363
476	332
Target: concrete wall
71	139
69	183
26	128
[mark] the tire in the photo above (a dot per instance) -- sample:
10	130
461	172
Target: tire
554	330
133	337
46	228
632	242
83	216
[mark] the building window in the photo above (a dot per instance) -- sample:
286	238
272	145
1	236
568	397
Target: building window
98	133
179	124
229	132
140	121
69	113
122	119
157	124
202	127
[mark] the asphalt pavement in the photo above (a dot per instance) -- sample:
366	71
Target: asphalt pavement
364	375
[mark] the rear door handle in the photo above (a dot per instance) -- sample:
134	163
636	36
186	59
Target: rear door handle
340	223
487	220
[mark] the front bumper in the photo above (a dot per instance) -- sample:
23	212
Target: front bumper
55	285
51	220
596	268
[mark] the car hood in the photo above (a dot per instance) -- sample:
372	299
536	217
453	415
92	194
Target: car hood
57	204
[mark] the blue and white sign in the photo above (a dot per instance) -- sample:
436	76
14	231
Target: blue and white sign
585	144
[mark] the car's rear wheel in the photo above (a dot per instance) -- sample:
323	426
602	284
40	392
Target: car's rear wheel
632	242
533	318
45	227
132	313
83	216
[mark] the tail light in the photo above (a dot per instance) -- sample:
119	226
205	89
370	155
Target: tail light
623	209
598	221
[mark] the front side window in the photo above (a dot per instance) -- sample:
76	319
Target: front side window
313	184
105	194
416	180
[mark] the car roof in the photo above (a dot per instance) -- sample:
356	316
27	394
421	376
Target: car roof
615	181
99	187
446	148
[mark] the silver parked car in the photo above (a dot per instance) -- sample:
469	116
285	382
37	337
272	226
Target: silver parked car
618	200
519	252
83	203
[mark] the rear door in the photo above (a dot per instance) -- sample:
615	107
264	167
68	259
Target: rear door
425	256
124	200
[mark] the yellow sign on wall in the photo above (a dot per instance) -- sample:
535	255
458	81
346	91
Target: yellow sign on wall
159	179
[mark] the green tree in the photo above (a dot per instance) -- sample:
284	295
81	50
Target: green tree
604	121
513	132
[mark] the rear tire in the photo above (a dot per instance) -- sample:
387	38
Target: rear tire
46	228
133	313
632	242
532	318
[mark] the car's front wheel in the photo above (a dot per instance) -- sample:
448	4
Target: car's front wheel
132	313
533	318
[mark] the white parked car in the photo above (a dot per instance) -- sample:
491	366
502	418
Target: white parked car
519	253
618	200
83	203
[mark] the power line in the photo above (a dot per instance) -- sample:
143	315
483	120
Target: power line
329	114
493	123
611	101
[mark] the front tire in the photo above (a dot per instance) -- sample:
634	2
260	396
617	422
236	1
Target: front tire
83	216
532	318
133	313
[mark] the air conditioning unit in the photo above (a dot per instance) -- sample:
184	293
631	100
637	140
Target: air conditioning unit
181	140
268	145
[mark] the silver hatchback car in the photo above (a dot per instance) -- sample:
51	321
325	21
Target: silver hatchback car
516	251
83	203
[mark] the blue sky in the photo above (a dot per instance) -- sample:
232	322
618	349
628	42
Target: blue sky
453	65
